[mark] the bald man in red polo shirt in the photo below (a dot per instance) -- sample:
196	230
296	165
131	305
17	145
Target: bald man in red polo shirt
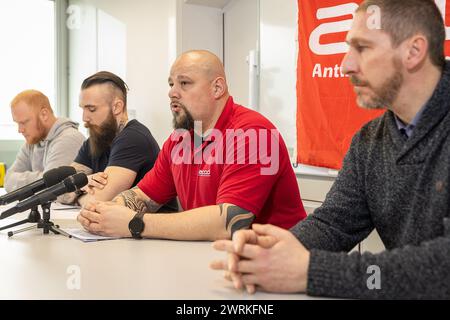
227	164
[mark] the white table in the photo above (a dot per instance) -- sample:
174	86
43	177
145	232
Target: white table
38	266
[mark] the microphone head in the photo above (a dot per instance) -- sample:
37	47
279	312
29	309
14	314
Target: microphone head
75	182
56	175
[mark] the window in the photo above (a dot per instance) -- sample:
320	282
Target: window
27	57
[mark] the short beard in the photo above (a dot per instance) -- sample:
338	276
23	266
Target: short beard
101	137
42	133
183	119
384	95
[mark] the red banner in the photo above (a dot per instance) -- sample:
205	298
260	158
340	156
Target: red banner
327	113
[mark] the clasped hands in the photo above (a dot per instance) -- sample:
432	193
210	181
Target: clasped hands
106	218
265	257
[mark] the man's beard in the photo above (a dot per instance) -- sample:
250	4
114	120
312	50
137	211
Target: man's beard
41	135
183	118
386	94
101	137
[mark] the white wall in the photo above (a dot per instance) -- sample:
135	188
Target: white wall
151	47
241	36
200	28
278	66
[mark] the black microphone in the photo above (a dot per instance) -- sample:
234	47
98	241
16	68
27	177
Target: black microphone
69	184
50	178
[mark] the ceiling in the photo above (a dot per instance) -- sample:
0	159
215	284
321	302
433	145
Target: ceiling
209	3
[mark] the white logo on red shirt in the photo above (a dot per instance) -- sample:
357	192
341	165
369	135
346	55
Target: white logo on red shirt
204	173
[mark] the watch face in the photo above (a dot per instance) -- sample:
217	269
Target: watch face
136	226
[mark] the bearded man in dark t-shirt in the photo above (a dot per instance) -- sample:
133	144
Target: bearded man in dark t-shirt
118	152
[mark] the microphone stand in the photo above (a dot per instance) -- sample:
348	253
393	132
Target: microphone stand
35	217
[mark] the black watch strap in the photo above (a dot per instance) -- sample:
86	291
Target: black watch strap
136	225
78	193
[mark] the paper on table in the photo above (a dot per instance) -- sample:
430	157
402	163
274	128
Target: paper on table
85	236
59	206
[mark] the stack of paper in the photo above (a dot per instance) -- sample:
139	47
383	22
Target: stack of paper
85	236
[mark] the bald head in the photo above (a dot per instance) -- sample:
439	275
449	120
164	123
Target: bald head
202	61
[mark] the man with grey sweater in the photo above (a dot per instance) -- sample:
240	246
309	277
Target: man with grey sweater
395	177
50	141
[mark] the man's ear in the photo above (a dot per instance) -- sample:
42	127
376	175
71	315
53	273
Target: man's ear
416	52
219	87
44	114
117	107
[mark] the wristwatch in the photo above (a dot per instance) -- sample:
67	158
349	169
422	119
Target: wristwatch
137	225
78	193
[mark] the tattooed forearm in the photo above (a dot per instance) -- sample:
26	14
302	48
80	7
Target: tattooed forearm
132	200
82	168
236	217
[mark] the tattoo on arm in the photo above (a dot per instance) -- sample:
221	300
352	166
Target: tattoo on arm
132	201
82	168
236	217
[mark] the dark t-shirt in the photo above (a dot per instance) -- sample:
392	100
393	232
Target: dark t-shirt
134	148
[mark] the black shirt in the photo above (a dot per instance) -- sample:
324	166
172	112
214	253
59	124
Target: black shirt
134	148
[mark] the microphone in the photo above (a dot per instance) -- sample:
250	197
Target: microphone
50	178
69	184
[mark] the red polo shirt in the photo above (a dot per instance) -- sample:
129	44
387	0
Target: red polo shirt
260	180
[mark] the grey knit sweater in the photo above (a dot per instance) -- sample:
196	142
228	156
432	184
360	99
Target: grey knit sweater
400	187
